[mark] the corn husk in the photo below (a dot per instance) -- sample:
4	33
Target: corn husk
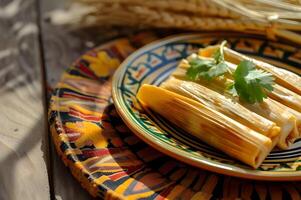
224	105
207	124
286	97
289	97
283	77
281	115
286	141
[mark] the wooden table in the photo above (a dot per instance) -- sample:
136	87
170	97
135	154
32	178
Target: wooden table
33	54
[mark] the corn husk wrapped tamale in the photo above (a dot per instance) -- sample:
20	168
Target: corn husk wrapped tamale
286	97
290	102
280	94
224	105
281	115
287	90
283	77
209	125
285	142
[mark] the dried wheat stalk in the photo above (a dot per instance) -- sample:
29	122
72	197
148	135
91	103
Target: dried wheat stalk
276	18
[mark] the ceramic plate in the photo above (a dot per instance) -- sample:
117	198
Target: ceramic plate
154	63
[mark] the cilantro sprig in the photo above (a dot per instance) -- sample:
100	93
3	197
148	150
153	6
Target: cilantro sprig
219	53
208	69
250	84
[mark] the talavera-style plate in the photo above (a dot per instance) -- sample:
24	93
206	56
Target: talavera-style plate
154	63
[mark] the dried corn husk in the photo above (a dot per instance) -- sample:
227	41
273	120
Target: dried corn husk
288	96
281	115
224	105
207	124
283	77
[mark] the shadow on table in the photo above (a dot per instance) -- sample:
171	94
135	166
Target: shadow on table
17	166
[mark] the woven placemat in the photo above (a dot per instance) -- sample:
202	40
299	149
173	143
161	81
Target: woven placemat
110	161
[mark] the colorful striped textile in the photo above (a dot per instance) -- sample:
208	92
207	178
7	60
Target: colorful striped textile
110	161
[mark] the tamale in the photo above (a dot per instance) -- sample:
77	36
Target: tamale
282	95
224	105
207	124
283	77
288	101
286	97
282	116
286	141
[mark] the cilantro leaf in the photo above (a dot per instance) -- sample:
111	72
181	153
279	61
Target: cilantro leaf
198	67
216	70
219	53
251	84
232	90
208	69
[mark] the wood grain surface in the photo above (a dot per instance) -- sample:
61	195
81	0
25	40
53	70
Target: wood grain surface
30	45
60	49
23	135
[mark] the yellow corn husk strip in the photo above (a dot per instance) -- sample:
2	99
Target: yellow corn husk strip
207	124
285	142
286	97
283	77
224	105
281	116
268	109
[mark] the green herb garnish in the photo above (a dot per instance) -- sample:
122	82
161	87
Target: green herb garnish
219	54
251	84
208	69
